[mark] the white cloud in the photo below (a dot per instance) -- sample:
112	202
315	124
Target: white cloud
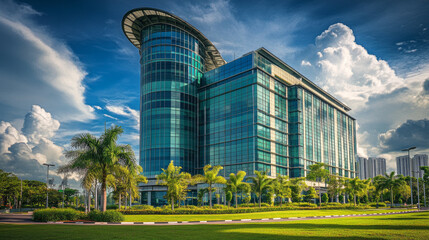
305	63
39	124
126	112
348	71
38	69
107	115
23	153
380	99
97	107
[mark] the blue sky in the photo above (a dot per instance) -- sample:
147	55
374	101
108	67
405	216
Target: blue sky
71	61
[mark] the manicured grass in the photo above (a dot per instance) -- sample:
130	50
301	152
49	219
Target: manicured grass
401	226
259	215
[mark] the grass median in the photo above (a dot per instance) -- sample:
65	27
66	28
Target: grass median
257	215
401	226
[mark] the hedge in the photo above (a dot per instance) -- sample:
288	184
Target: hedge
57	214
67	214
380	204
107	216
231	210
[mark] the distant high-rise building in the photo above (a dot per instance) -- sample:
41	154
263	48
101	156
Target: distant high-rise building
403	164
371	167
419	160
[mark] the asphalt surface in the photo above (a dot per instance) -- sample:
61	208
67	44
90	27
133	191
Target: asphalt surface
26	219
16	218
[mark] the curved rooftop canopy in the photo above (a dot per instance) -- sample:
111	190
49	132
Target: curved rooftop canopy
135	20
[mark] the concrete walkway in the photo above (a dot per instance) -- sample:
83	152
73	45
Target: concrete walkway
26	219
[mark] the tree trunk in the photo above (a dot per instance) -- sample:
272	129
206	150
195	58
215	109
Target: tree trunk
260	198
131	199
172	203
89	200
125	200
95	196
119	200
320	196
236	202
104	192
210	195
391	197
281	202
354	199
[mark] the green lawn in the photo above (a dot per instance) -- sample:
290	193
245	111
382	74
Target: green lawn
259	215
401	226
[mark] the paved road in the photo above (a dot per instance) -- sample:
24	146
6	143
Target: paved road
15	218
26	219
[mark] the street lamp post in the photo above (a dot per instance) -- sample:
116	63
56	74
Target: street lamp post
411	180
418	189
424	191
47	182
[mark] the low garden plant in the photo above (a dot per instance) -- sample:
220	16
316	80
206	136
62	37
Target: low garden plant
57	214
67	214
107	216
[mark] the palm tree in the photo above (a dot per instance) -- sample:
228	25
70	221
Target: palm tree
126	182
176	181
235	184
318	173
355	187
102	155
391	182
260	183
211	177
281	188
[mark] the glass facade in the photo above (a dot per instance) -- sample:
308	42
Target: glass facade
252	119
172	63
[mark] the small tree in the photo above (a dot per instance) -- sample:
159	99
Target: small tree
211	177
355	187
200	195
335	185
311	194
228	196
176	181
393	183
260	183
236	184
325	198
318	173
296	186
281	188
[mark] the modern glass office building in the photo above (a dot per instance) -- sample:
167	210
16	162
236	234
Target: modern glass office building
254	113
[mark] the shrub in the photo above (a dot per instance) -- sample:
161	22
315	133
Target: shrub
219	206
253	205
380	204
137	207
107	216
325	198
56	214
333	204
112	207
341	198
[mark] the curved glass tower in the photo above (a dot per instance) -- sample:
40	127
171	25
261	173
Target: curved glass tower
173	57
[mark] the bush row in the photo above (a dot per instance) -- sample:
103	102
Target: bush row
186	210
68	214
